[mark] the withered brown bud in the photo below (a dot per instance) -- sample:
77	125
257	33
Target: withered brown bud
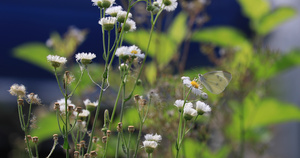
95	139
104	139
119	127
108	133
131	129
93	154
79	109
136	98
142	102
87	156
20	102
56	106
82	144
70	108
55	136
35	139
76	154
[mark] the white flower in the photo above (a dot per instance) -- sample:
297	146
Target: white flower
169	5
90	106
85	58
123	67
83	114
122	15
17	90
193	85
133	51
202	108
56	60
129	25
150	137
62	101
103	3
113	11
150	144
62	108
33	98
189	112
108	23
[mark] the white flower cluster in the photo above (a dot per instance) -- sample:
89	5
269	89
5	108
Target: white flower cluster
188	110
132	51
151	142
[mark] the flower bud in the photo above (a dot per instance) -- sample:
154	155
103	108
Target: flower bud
55	137
56	106
131	129
108	133
204	96
104	139
35	139
20	102
95	139
79	109
76	154
93	154
119	127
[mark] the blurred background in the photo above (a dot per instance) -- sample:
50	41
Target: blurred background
257	41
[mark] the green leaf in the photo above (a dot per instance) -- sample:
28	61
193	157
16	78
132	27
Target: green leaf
221	36
178	29
47	126
260	113
274	18
151	72
66	144
34	53
255	9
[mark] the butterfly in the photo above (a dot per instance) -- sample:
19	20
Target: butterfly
215	81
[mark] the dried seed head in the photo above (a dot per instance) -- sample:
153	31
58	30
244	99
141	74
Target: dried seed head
56	106
136	98
55	136
35	139
104	139
70	108
142	102
108	133
131	129
78	146
119	127
76	154
93	154
79	109
20	102
82	144
87	156
95	139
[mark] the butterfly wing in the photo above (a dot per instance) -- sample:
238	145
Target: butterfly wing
215	81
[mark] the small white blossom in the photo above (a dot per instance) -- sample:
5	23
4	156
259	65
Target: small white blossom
113	11
83	114
122	15
62	101
17	90
150	144
103	3
169	5
33	98
202	108
90	106
56	60
108	23
85	58
193	85
132	51
150	137
189	112
129	25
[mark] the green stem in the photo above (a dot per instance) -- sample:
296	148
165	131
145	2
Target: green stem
58	82
29	114
58	123
36	151
82	72
96	115
20	117
146	54
121	118
28	144
242	130
53	147
128	146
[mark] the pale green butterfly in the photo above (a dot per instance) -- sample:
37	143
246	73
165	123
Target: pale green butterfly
215	81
